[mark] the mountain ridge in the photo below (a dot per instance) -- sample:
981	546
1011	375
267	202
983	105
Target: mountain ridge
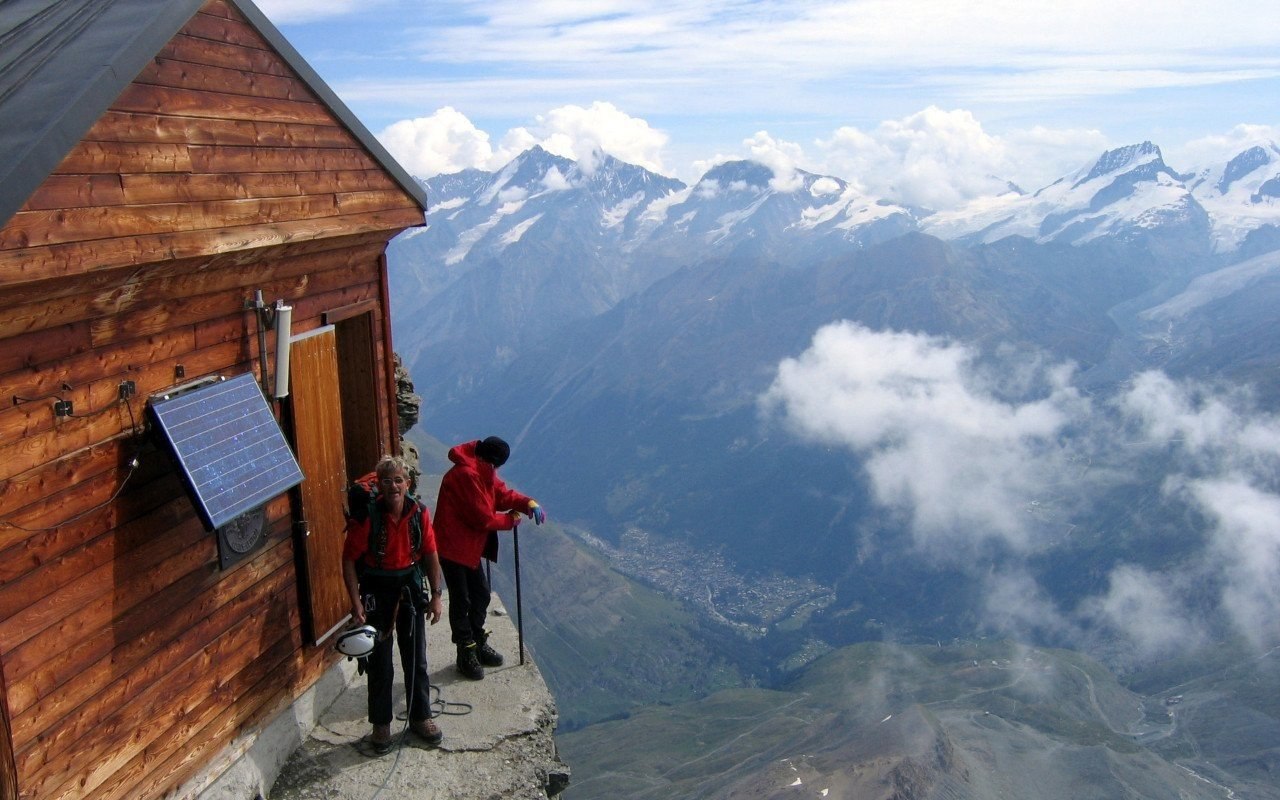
969	466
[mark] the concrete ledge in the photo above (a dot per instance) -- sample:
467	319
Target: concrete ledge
251	763
498	736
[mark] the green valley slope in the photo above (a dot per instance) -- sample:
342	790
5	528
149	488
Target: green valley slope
961	722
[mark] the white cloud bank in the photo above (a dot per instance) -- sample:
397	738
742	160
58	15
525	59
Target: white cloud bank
1222	147
1228	467
939	444
442	143
932	159
447	141
940	159
967	468
773	53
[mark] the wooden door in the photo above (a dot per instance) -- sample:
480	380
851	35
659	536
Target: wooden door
357	378
318	436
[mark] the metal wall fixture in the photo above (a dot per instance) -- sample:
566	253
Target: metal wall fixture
280	319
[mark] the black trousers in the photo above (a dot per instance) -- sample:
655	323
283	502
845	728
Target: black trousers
468	601
393	603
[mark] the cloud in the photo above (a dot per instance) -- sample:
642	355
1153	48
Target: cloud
447	141
973	452
939	444
846	60
823	187
1142	607
780	157
1247	540
1223	147
1217	430
583	134
940	160
442	143
828	38
1016	605
1039	155
1226	464
554	181
932	159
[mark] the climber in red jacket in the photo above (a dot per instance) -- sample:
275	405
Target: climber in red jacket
473	503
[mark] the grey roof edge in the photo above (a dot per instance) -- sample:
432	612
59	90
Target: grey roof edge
68	123
322	90
25	168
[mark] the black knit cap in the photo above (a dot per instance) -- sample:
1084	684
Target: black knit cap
493	450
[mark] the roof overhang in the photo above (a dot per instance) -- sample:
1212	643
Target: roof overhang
64	62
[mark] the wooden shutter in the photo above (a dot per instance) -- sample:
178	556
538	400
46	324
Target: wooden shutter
318	436
357	377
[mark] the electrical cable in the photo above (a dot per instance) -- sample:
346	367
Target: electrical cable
134	463
18	400
96	412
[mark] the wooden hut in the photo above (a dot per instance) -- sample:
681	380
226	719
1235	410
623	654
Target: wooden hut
161	163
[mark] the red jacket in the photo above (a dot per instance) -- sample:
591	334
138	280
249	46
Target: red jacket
473	501
399	553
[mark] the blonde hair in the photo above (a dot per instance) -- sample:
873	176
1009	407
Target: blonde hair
390	464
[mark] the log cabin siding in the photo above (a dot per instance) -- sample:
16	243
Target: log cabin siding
215	147
128	658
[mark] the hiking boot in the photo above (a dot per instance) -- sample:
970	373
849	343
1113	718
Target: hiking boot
428	730
380	739
486	654
468	663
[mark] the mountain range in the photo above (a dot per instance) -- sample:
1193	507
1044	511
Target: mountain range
815	418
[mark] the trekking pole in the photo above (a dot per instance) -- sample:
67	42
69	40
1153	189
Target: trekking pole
515	544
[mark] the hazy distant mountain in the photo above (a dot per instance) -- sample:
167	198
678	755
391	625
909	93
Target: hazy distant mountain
621	328
1223	325
741	208
1241	195
1127	192
567	241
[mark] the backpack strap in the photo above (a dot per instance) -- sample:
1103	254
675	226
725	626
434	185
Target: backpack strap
378	533
415	531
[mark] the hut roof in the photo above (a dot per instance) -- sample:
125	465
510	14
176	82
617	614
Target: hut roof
64	62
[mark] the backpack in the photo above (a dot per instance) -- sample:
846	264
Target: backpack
362	504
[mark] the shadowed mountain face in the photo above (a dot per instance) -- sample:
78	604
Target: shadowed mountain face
803	418
646	417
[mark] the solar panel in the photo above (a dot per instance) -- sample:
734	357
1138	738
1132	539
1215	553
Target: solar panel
229	448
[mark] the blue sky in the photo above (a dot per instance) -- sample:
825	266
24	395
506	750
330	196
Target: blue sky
890	93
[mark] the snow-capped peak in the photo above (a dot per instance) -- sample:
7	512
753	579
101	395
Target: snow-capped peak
1241	194
1123	159
1126	190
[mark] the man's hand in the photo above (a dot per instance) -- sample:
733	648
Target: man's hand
515	518
357	612
437	608
535	511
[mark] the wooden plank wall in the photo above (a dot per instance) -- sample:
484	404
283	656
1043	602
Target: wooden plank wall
216	146
129	660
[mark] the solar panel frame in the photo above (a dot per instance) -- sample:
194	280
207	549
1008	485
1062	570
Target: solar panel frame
229	449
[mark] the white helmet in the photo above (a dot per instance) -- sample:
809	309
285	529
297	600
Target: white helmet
357	642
